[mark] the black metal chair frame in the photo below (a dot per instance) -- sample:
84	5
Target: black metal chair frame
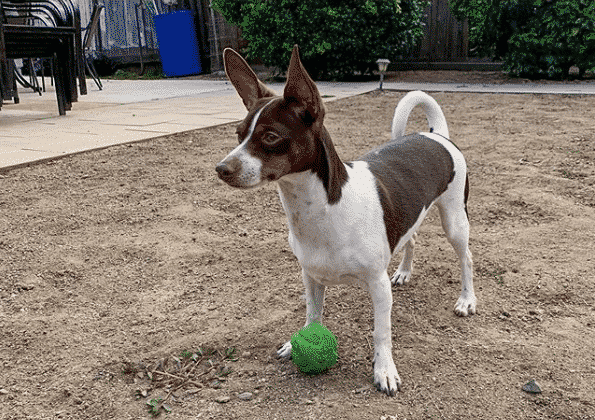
89	35
59	40
32	83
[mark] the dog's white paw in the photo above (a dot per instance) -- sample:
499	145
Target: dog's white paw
466	305
386	378
400	277
284	351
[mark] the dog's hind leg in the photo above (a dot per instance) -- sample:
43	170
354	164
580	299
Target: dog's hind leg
403	273
456	226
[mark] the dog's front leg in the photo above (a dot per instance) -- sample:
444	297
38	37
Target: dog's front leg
314	308
386	377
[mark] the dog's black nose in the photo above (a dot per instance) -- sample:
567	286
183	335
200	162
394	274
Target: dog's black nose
223	169
227	169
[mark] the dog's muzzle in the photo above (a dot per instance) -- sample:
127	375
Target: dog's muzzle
230	171
237	174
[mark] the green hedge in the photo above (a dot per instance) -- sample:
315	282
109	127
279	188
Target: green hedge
535	38
335	37
560	34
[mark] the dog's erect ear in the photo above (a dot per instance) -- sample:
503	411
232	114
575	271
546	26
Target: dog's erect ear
302	88
244	79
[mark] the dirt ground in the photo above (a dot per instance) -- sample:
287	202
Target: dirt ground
132	275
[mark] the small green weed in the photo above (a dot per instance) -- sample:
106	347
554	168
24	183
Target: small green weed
498	275
153	406
230	354
186	354
156	406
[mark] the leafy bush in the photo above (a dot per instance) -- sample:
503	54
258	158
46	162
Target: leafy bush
492	23
335	37
535	38
559	35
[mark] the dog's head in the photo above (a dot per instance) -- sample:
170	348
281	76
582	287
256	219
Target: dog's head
280	135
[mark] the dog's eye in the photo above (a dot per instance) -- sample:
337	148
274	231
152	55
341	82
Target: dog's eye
270	139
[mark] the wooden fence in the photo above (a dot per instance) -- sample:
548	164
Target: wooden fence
445	38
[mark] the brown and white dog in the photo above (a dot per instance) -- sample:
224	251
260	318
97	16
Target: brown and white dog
347	219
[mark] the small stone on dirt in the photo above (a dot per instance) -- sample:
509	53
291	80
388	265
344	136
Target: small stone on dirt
246	396
222	400
532	387
3	391
246	354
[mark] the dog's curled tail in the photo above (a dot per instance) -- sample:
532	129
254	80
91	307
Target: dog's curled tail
433	112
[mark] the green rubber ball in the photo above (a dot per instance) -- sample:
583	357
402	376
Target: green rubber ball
314	349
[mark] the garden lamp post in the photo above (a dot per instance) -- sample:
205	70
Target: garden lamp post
382	65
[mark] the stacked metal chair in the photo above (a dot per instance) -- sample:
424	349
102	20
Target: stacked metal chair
43	28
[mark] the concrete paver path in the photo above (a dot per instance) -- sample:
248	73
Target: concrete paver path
132	110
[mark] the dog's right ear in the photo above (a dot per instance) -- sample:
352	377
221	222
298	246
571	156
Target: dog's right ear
302	88
244	79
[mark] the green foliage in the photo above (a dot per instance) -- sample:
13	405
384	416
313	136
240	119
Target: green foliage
186	354
131	74
335	37
535	38
231	354
156	405
491	23
559	35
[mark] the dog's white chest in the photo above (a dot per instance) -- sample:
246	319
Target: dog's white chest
340	243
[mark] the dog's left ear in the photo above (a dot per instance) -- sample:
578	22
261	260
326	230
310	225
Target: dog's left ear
302	88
